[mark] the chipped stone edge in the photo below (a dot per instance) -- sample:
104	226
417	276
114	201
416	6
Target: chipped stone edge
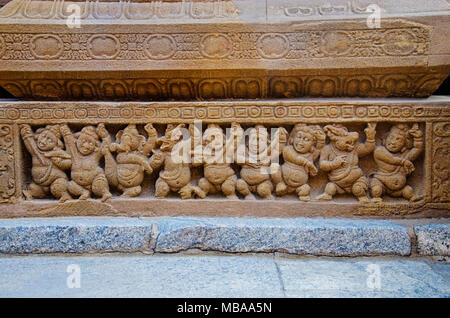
347	237
433	239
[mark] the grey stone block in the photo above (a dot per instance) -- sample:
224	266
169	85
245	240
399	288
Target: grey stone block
433	239
331	237
74	235
362	278
140	276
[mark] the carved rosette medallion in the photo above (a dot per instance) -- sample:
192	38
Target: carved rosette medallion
160	47
103	46
46	46
216	46
272	46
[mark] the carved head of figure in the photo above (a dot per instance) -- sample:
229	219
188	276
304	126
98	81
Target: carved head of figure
172	136
48	138
87	140
306	138
258	139
398	138
214	137
341	138
129	139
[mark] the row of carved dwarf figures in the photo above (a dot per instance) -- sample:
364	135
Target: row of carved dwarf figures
55	149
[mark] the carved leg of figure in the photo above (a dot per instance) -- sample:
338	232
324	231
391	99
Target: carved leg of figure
330	191
162	189
187	192
199	192
59	190
244	189
78	190
100	187
280	187
35	191
303	192
408	193
265	189
229	188
131	192
359	190
376	190
206	186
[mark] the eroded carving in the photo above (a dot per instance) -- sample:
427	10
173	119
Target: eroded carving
7	161
49	160
300	153
126	172
394	161
219	176
86	151
235	163
340	159
176	174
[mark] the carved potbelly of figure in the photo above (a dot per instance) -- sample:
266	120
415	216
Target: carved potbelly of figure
299	154
86	151
255	171
340	159
218	174
176	173
394	163
49	161
126	172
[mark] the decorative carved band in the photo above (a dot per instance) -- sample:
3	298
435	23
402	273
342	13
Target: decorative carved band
440	162
219	112
198	88
7	164
413	41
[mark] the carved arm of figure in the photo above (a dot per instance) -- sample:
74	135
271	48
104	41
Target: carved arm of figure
69	139
196	146
237	134
150	144
106	140
30	143
382	154
279	141
157	160
60	159
418	146
328	165
369	145
289	154
138	159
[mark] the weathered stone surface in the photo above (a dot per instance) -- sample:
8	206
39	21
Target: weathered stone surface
333	237
219	276
433	239
74	235
359	278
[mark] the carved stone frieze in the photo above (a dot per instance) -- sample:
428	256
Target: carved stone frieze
368	156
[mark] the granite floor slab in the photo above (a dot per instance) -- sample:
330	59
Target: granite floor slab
203	275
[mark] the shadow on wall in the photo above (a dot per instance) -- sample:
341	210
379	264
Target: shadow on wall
444	89
4	93
3	2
